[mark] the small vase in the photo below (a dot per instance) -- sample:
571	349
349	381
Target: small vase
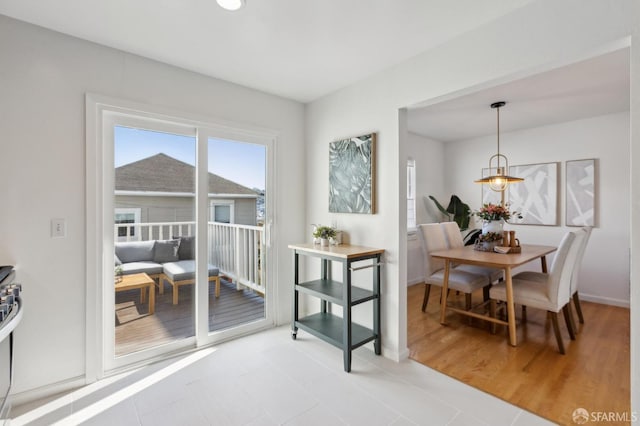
324	242
492	226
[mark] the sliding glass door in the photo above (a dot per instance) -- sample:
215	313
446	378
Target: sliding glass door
186	236
236	232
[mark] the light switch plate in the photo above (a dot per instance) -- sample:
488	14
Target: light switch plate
58	228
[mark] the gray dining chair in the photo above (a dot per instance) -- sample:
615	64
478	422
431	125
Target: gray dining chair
552	294
432	238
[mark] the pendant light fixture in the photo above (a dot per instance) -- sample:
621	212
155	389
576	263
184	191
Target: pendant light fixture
500	180
231	4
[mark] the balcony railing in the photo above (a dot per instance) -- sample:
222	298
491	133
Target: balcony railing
237	250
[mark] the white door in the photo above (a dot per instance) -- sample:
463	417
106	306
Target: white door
162	180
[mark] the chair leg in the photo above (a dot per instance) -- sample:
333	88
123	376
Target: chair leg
576	301
492	314
524	314
467	301
425	300
568	319
556	331
485	292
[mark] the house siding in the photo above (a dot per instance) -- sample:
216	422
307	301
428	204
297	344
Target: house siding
181	209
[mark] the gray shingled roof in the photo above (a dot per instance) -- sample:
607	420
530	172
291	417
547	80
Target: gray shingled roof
161	173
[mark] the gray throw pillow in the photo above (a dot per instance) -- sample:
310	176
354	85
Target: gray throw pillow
187	250
166	251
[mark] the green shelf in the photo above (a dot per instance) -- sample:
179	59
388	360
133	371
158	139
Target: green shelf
331	291
329	328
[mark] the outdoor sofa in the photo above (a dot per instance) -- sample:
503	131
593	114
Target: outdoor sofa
163	260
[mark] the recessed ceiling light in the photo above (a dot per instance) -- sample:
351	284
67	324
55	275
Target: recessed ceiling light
231	4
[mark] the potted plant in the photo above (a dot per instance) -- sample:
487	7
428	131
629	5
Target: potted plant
324	233
459	212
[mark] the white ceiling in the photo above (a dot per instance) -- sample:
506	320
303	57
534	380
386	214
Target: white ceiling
298	49
593	87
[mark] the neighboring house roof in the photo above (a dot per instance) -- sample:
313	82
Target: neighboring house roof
161	173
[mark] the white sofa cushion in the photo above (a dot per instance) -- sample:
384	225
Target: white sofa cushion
185	270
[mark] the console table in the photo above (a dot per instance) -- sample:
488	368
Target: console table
338	331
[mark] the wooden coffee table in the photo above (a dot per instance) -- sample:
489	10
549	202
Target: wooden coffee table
141	281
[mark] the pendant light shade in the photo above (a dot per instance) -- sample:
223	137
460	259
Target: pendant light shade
498	162
231	4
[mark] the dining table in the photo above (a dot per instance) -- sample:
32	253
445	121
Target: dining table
507	262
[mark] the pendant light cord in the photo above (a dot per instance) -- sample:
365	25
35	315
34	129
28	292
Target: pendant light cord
498	132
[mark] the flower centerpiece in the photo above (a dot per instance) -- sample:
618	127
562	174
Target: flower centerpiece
487	241
493	217
491	212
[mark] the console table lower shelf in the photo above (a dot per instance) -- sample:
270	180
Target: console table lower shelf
329	328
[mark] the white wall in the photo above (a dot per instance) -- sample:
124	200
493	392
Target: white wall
605	272
513	46
430	176
428	155
43	80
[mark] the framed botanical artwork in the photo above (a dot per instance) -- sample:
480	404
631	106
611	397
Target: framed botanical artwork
536	198
489	196
580	192
352	175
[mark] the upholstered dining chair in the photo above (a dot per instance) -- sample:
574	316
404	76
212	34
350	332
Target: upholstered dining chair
582	237
576	273
432	238
454	239
552	294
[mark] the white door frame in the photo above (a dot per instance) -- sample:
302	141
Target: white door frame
101	113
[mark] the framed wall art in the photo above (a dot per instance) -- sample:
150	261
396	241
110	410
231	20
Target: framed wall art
580	192
536	198
352	175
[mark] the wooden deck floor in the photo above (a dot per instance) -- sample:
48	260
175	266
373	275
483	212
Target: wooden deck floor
137	330
594	374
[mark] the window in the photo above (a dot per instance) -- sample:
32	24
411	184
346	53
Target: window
411	195
130	215
222	211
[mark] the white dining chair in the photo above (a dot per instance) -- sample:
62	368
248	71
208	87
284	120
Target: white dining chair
552	294
432	238
454	240
582	238
576	273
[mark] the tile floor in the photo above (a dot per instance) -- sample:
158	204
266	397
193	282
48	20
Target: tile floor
269	379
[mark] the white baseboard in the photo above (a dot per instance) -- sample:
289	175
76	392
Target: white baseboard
415	281
47	391
605	300
394	355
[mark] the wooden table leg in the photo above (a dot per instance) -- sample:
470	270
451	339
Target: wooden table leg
511	311
143	294
543	263
152	298
445	287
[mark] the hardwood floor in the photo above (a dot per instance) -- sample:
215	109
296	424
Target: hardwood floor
594	374
137	330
